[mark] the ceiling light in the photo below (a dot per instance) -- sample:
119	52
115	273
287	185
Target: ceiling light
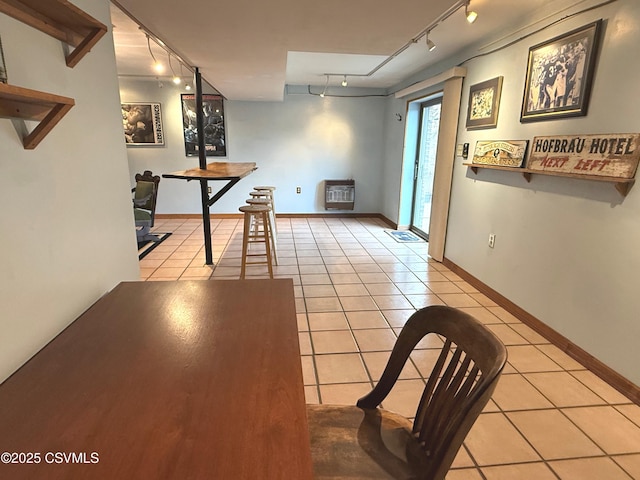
470	14
430	45
157	66
344	82
325	87
187	87
175	79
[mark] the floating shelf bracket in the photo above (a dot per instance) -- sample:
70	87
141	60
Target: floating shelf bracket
20	104
61	20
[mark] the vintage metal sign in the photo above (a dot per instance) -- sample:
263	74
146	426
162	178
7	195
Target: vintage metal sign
607	155
505	153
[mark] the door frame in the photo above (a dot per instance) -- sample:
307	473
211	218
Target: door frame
450	83
426	103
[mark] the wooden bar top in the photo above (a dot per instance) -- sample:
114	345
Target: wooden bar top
165	380
216	171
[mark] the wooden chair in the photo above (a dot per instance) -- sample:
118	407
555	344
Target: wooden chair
144	204
366	441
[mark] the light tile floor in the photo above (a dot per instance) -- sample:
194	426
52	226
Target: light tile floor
355	286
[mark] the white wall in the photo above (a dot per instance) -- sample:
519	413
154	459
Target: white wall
566	250
66	223
299	142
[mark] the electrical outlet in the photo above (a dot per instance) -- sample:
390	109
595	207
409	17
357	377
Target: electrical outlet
209	190
298	190
492	240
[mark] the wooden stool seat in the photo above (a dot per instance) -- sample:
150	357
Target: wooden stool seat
256	216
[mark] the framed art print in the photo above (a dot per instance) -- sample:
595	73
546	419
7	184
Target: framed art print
559	75
484	103
142	123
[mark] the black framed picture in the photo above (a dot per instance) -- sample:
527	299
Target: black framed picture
142	123
214	128
484	103
559	75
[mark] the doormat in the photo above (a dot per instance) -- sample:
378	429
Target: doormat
404	236
146	246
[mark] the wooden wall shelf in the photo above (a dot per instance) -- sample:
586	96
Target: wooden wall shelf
23	104
623	185
60	19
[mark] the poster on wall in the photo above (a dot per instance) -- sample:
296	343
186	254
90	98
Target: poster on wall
214	129
142	123
505	153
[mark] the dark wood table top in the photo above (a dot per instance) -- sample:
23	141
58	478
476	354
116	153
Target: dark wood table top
216	171
165	380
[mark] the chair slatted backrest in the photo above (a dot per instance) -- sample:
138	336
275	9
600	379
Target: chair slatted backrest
461	382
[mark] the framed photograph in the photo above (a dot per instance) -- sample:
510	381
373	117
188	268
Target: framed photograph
559	75
142	123
3	67
214	130
484	103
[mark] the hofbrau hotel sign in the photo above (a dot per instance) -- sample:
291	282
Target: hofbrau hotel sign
609	155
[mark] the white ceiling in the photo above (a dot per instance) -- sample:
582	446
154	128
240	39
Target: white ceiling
249	49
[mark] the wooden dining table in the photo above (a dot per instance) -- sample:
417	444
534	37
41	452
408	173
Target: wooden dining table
230	172
164	380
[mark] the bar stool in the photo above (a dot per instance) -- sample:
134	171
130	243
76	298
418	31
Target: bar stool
267	192
272	233
259	216
266	188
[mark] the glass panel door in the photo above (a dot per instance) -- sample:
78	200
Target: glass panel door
425	166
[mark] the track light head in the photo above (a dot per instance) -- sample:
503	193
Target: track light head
470	14
325	87
430	45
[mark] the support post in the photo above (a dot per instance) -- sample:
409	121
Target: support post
202	156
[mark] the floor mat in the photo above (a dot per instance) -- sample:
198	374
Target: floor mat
404	236
145	247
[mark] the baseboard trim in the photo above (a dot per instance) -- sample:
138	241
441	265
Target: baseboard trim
168	216
606	373
195	216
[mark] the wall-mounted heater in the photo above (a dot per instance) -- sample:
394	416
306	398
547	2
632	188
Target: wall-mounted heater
339	194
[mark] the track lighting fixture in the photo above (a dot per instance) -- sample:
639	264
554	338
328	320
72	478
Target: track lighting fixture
325	87
430	45
175	79
470	14
157	66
